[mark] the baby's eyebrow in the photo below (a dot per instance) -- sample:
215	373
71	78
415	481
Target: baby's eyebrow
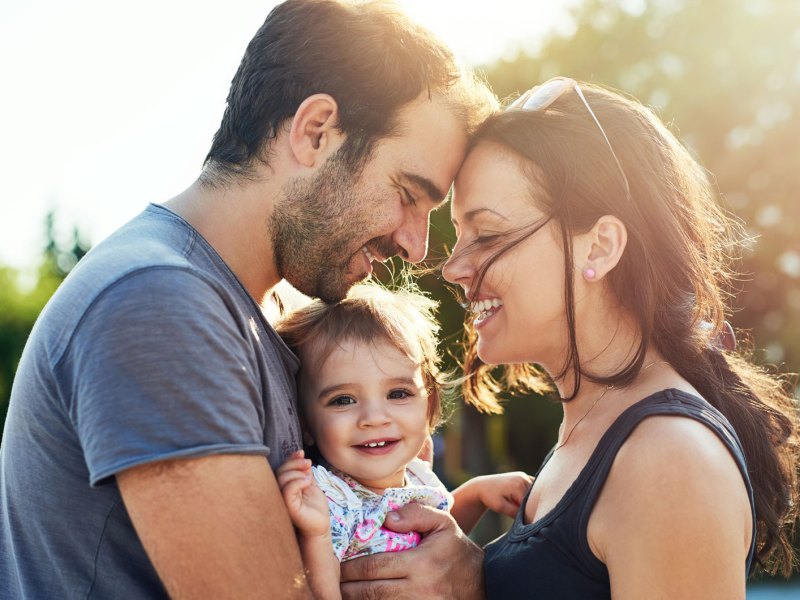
338	387
405	380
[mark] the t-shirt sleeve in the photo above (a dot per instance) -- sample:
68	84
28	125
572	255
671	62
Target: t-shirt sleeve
160	368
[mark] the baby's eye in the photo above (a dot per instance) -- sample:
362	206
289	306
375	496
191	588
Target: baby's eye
342	401
400	394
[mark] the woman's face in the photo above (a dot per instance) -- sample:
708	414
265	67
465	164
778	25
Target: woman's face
519	307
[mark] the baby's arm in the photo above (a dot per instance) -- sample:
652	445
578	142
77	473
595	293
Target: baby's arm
308	509
502	493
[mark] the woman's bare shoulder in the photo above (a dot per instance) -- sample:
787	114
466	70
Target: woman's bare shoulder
674	498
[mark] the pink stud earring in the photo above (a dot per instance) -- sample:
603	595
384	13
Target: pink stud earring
589	273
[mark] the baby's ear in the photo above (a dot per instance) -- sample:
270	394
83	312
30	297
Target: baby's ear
308	440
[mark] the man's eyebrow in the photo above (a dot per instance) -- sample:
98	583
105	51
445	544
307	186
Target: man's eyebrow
473	214
426	185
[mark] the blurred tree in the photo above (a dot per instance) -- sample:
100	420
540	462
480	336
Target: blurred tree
20	304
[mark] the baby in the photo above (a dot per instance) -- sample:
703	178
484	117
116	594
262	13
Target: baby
370	396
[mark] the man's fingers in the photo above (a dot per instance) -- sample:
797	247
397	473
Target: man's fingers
416	517
381	566
369	590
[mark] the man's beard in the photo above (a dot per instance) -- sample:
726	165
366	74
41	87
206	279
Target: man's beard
315	230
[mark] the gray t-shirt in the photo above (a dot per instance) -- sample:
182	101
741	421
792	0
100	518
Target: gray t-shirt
151	349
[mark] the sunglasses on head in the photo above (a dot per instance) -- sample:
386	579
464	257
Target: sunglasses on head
542	96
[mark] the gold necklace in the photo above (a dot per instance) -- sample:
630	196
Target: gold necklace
605	391
569	433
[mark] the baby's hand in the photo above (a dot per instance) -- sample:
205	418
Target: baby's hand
307	505
504	492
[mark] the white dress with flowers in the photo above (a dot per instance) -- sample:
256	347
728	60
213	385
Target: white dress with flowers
357	514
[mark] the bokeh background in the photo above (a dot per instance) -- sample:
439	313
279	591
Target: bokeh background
105	109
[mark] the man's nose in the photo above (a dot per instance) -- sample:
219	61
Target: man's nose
412	238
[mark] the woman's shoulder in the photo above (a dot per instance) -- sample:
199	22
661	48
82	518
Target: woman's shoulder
674	490
688	439
674	469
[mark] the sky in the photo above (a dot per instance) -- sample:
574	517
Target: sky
108	106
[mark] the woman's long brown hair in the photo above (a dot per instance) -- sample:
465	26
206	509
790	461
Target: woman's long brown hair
674	277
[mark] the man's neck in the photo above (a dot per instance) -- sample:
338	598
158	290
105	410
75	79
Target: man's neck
235	220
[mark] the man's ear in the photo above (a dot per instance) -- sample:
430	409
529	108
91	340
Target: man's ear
601	248
313	135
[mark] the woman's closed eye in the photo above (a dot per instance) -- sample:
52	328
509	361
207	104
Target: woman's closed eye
486	238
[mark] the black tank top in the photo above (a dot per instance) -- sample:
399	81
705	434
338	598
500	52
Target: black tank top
551	558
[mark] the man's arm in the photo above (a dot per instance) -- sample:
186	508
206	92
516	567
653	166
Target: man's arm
215	527
446	564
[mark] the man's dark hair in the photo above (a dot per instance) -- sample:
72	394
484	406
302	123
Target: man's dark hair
370	57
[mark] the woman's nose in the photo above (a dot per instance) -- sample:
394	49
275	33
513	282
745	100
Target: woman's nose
456	269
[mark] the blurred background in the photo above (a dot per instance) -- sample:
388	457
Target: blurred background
106	108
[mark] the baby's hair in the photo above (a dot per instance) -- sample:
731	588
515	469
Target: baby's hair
370	313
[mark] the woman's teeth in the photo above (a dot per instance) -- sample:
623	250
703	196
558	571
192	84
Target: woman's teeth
482	307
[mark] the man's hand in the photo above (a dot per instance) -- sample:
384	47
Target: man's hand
446	564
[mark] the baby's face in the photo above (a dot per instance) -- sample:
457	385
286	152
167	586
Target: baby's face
367	410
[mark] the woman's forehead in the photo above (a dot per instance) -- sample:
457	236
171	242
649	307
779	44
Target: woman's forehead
492	185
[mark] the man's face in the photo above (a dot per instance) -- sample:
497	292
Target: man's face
327	230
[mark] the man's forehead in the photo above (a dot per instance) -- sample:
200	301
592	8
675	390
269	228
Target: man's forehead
433	136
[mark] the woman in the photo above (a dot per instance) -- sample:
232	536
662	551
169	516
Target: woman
589	243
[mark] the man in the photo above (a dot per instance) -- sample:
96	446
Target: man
152	389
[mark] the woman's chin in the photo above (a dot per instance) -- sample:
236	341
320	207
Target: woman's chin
489	354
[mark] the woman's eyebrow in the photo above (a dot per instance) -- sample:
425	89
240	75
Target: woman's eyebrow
473	214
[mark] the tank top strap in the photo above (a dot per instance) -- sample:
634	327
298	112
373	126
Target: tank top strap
666	402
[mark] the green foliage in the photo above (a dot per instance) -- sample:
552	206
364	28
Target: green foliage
21	304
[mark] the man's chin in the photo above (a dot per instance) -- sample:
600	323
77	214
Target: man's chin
328	291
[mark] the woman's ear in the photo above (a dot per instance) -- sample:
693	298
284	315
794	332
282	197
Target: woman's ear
313	134
600	249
